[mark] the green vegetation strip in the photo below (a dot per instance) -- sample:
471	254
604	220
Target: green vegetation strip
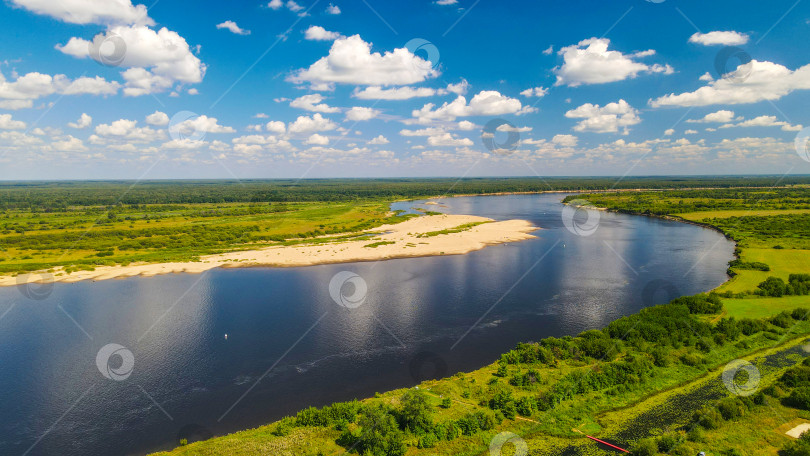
458	229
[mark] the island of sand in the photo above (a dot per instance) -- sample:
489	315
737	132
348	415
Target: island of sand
421	236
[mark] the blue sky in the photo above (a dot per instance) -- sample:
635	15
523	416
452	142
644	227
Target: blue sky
115	89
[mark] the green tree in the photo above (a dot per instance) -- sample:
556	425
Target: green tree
417	413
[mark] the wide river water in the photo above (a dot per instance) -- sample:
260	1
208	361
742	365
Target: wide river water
290	345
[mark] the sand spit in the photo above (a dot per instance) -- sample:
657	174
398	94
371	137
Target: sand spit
402	240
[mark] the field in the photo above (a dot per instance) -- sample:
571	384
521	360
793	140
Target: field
81	225
88	236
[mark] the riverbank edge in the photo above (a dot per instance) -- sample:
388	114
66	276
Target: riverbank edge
793	341
424	236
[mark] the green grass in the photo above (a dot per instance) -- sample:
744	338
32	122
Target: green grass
84	237
782	262
757	307
698	216
458	229
301	442
374	245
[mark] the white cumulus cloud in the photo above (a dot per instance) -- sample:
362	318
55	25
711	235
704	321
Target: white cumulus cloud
312	102
158	119
350	61
590	62
83	122
360	113
231	25
764	121
155	59
484	103
565	140
89	11
7	123
719	38
538	92
446	139
317	122
317	140
318	33
379	140
749	83
604	119
276	126
22	92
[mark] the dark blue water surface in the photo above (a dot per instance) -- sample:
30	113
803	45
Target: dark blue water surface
290	345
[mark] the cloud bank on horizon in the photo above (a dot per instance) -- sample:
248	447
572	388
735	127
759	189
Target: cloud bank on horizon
113	89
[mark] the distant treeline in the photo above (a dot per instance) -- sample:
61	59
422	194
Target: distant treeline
60	194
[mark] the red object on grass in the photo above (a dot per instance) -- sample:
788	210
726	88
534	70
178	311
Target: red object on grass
605	443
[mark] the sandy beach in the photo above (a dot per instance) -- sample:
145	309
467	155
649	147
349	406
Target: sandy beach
402	240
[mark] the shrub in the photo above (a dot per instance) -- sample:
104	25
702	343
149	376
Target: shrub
799	398
525	406
644	447
731	408
525	380
691	359
378	435
782	320
668	443
701	304
416	414
728	327
284	427
749	265
796	376
799	447
750	327
708	418
772	286
799	314
427	441
799	284
660	356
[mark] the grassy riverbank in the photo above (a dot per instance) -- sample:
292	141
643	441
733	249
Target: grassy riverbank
83	225
650	381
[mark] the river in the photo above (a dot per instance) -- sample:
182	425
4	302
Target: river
175	374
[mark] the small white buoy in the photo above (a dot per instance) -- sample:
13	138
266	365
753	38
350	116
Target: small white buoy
226	336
